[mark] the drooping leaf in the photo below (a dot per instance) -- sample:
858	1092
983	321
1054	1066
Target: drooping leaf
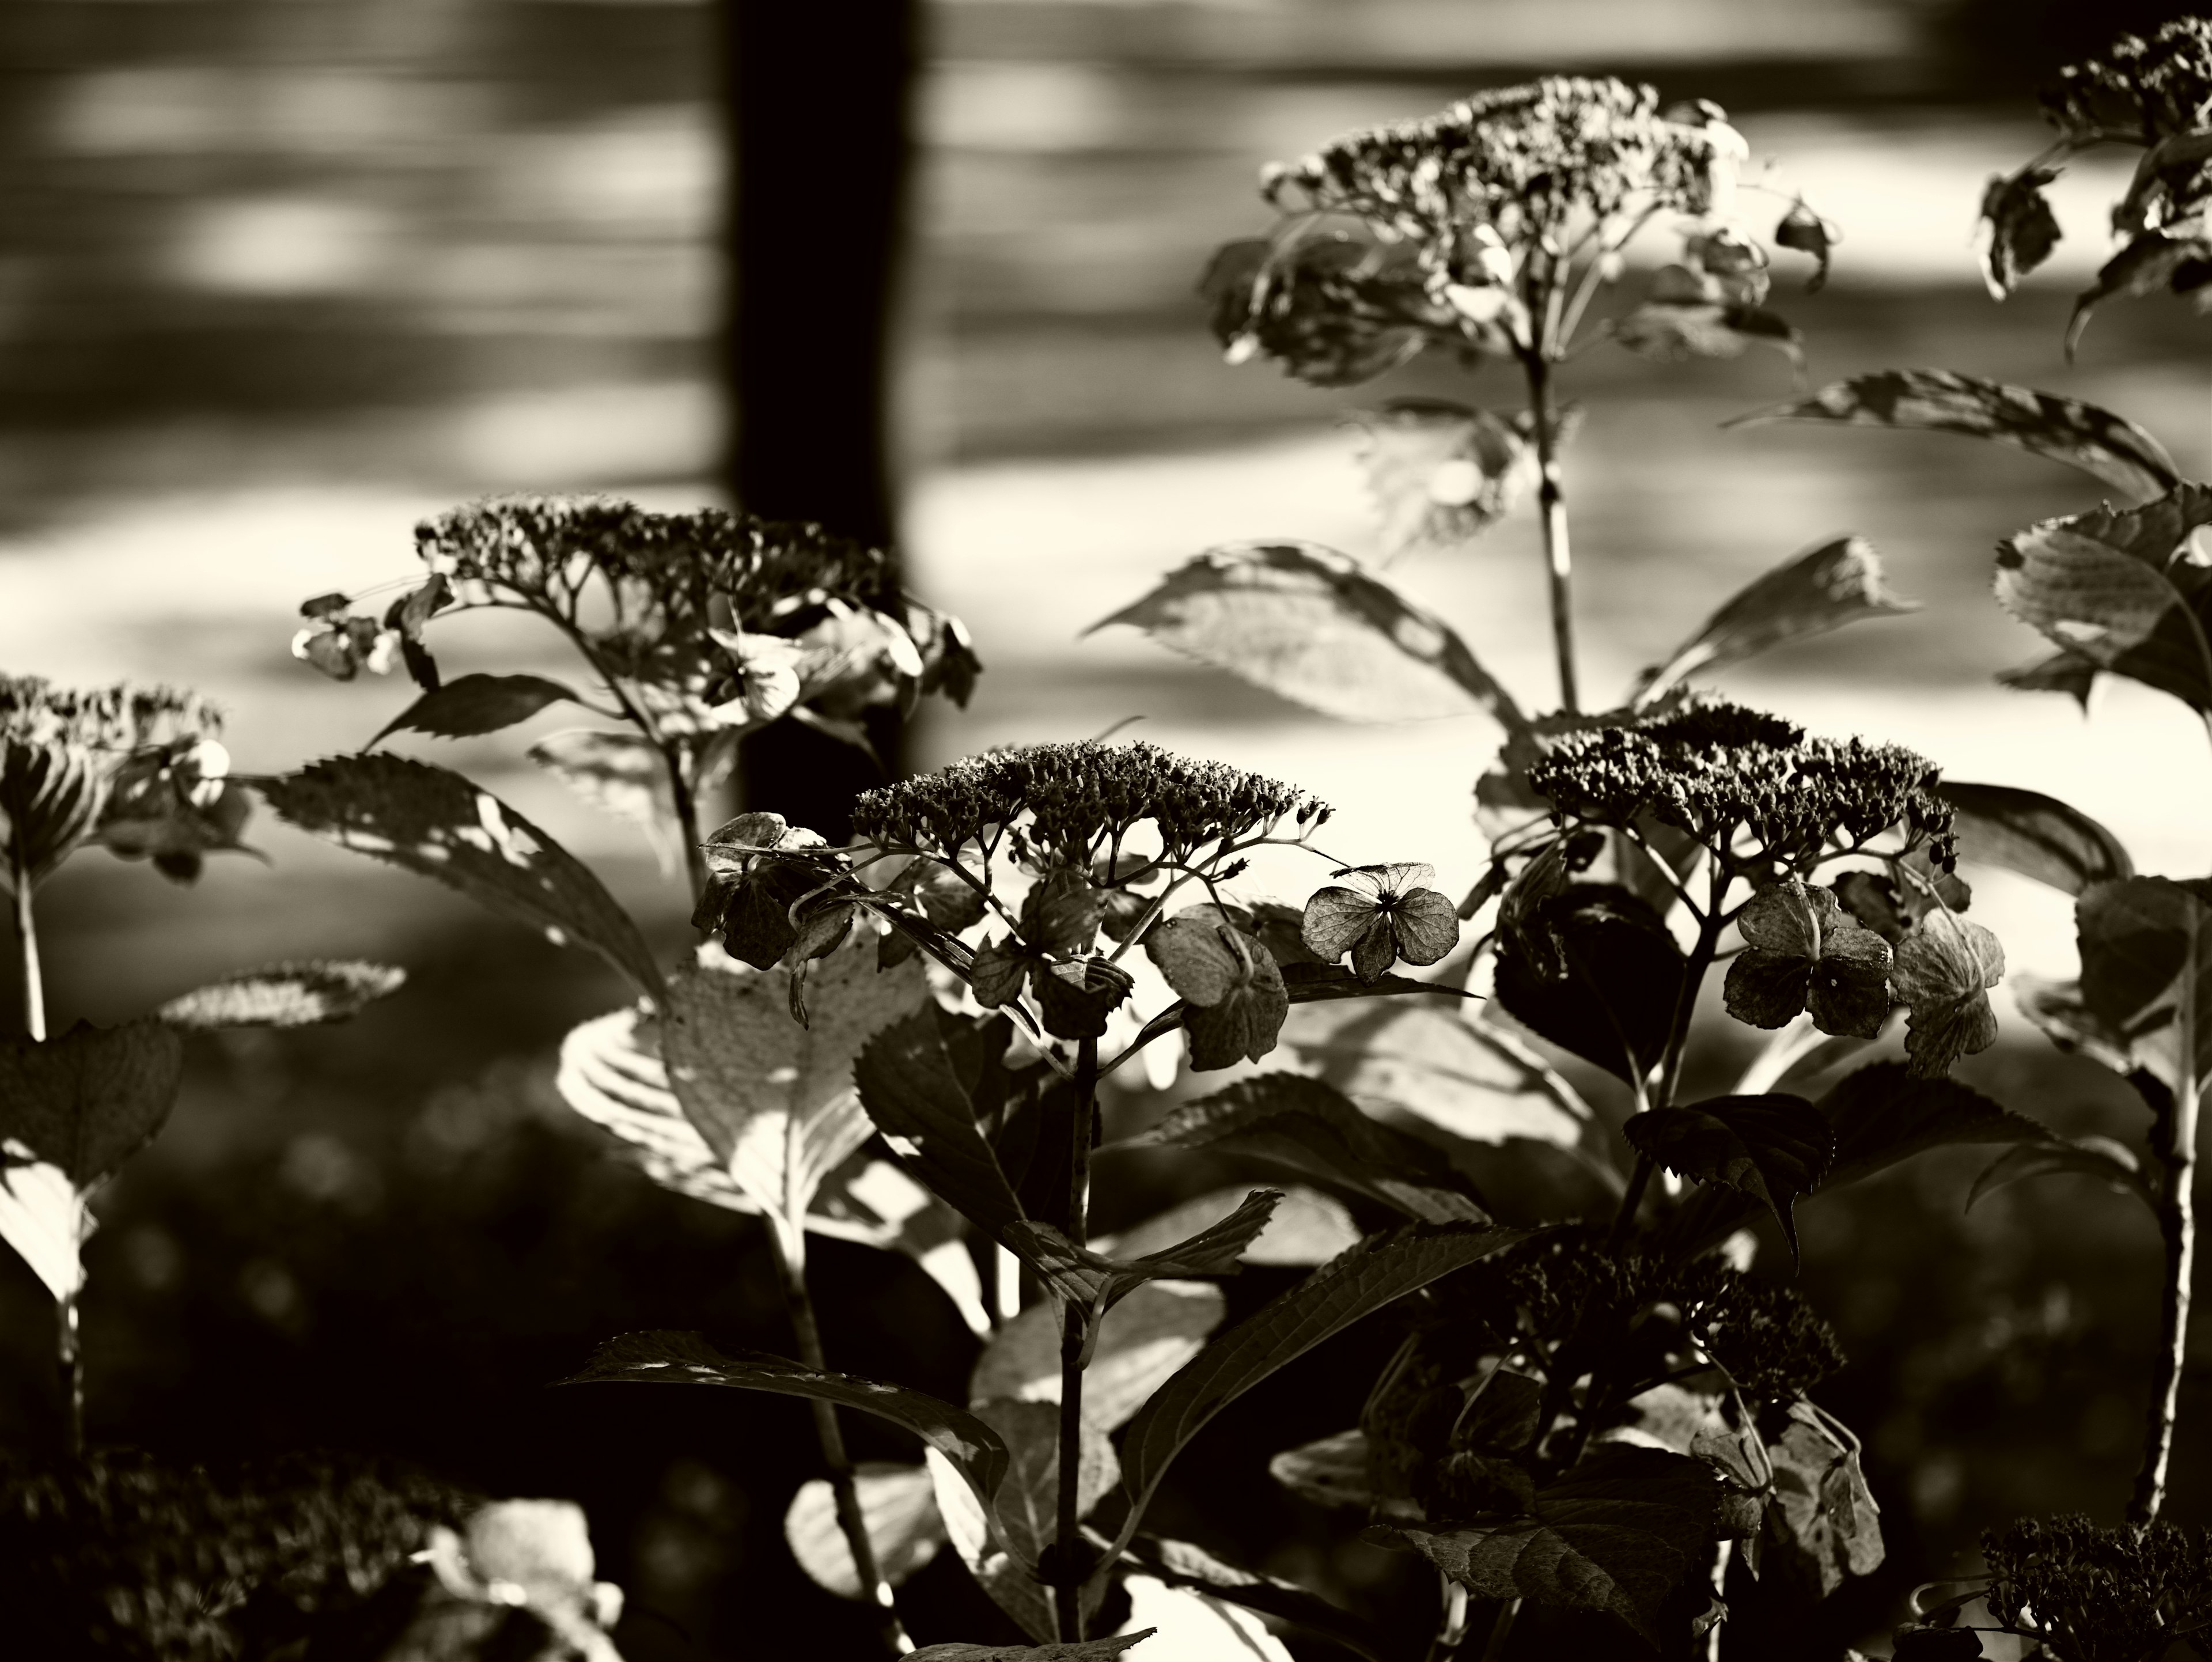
1087	1650
1803	952
898	1504
1837	583
2100	443
2037	836
1096	1282
1180	1563
2149	263
1191	1620
1329	1472
919	1079
1773	1148
776	1101
72	1109
2147	970
2129	591
1232	990
621	773
1310	1127
1882	1114
1944	968
431	821
475	704
292	994
1617	1533
1822	1505
2017	231
1380	1269
1140	1341
1313	626
1306	1228
2066	672
2109	1162
974	1450
1439	472
1475	1081
1673	332
1596	971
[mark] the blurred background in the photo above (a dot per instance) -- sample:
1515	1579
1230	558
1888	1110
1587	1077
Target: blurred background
278	277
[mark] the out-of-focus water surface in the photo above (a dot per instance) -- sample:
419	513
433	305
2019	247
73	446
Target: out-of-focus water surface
284	279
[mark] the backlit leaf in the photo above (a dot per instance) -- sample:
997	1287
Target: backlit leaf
1381	1269
1191	1621
1330	1472
2100	443
1024	1514
1882	1114
1306	1228
431	821
1439	472
622	774
1088	1650
1944	969
1837	583
1313	626
2037	836
2147	970
1821	1507
2102	1158
918	1079
474	704
1180	1563
1773	1148
1141	1342
284	995
673	1357
899	1505
1290	1120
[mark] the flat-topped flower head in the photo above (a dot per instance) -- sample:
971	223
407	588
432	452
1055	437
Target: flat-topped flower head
1521	160
1068	800
2142	91
2097	1593
141	770
1716	770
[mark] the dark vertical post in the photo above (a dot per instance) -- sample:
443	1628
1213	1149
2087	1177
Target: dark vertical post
818	94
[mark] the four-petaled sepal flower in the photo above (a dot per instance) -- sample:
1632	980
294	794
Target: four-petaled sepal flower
1234	1000
1945	969
1380	914
760	866
1805	951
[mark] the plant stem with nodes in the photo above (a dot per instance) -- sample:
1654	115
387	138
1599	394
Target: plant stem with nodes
2177	1226
1067	1539
1552	505
1451	1627
851	1523
27	932
68	1358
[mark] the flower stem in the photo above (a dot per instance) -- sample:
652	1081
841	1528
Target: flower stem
687	820
35	986
791	1262
1069	1575
1700	959
2177	1224
1451	1626
68	1358
1552	505
1503	1630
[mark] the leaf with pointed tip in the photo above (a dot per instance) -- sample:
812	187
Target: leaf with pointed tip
2096	440
1099	1283
1616	1534
1087	1650
2147	970
296	994
1596	971
1140	1341
1023	1515
1290	1120
1306	1228
1180	1563
1329	1472
899	1505
622	774
1773	1148
775	1101
431	821
475	704
918	1078
1440	472
1379	1271
1827	587
1882	1114
2066	672
665	1357
2064	1015
2037	836
2103	1157
1313	626
1011	1585
2149	263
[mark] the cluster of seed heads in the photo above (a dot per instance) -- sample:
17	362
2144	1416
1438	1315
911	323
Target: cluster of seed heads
2098	1594
118	719
2142	91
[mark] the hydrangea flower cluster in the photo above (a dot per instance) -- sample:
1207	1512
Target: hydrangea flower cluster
2097	1594
1719	772
1071	802
139	769
704	621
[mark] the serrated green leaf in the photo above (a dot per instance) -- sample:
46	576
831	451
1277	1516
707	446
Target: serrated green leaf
475	704
898	1504
1290	1120
1837	583
431	821
1313	626
2147	970
665	1357
1773	1148
1088	1650
292	994
1882	1114
2037	836
1140	1341
918	1079
2100	443
1380	1269
1099	1283
1306	1228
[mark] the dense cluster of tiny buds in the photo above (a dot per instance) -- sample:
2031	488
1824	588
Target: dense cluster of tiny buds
118	720
1716	768
2140	90
2097	1594
1070	798
1521	160
1769	1339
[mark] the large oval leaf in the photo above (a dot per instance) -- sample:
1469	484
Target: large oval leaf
431	821
1141	1342
1315	626
2037	836
474	704
899	1505
2067	430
